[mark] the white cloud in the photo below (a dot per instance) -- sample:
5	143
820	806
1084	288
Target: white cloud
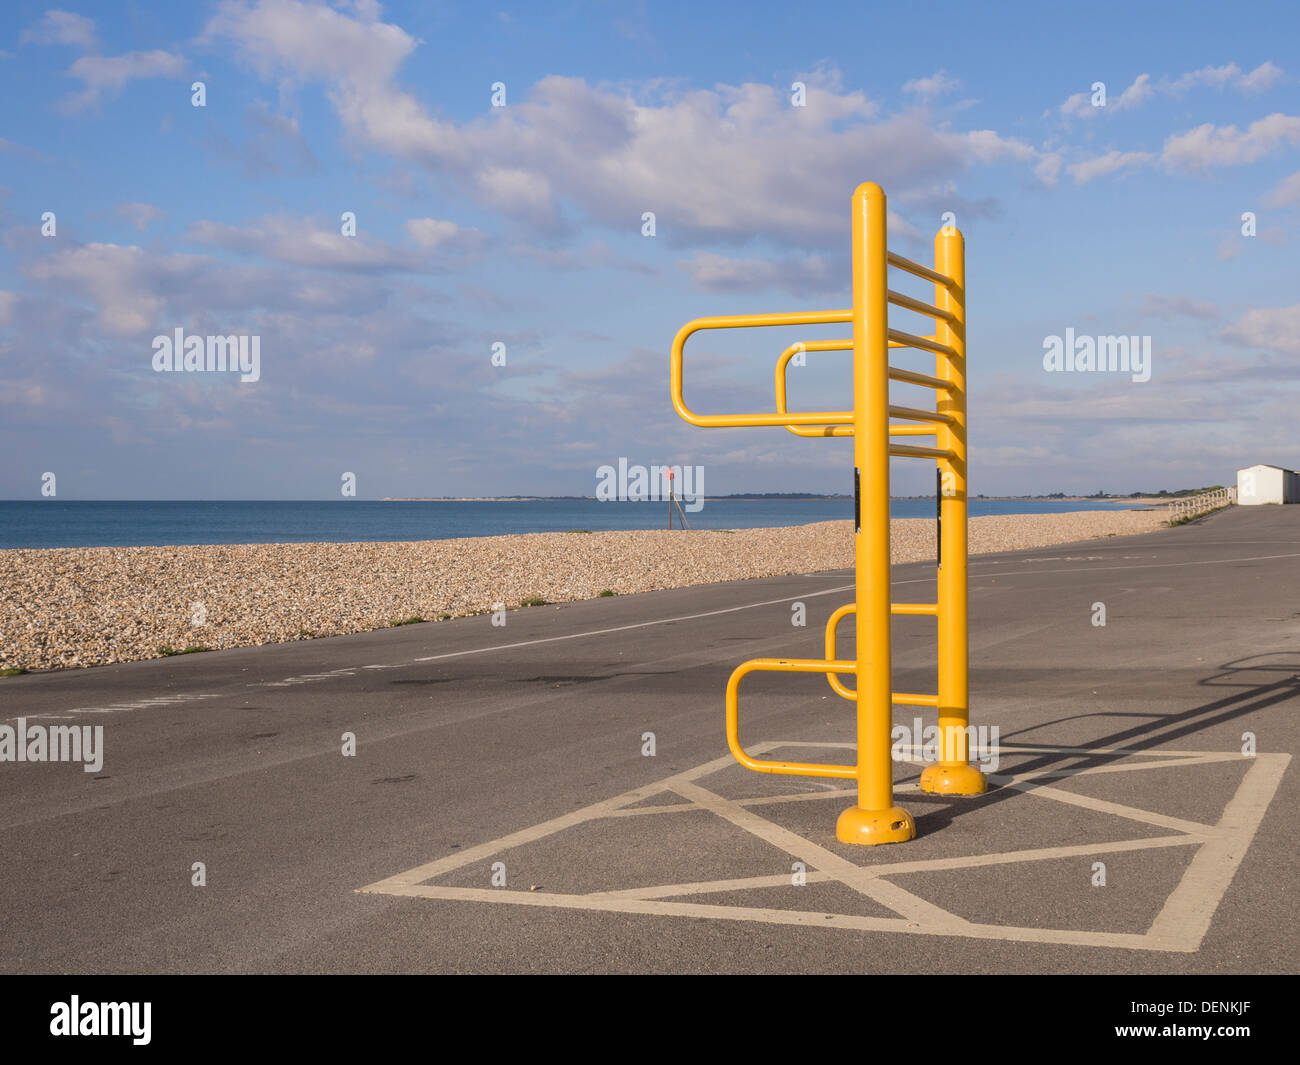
122	280
988	146
728	162
1106	164
108	74
1261	79
1286	194
1048	168
1209	145
62	27
936	84
357	59
1135	95
1157	306
8	301
1081	106
434	234
304	242
430	232
1273	328
798	274
140	215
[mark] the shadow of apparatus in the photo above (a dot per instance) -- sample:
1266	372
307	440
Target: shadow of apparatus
1264	680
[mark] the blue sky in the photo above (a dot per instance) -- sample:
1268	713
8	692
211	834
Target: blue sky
522	225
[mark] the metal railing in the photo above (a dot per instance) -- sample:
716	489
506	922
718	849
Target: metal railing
875	818
1190	506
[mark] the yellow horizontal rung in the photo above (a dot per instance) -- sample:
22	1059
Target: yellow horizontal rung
908	451
919	270
911	377
829	430
750	421
780	665
925	343
909	699
899	300
931	609
912	414
913	430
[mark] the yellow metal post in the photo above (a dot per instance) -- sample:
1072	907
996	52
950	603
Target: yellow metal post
875	818
952	774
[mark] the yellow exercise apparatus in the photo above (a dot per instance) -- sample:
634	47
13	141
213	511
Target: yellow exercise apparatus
875	818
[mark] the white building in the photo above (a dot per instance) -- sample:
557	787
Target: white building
1267	484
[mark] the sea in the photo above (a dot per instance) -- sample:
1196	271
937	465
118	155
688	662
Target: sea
103	523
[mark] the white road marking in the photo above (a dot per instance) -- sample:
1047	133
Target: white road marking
637	625
661	908
860	878
547	828
1179	927
139	704
892	868
1190	907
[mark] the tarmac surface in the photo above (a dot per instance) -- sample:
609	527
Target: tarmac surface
502	812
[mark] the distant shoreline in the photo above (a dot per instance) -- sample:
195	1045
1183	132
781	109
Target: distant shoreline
1141	501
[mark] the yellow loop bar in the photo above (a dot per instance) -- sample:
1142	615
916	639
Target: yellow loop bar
745	321
832	626
784	361
779	665
838	686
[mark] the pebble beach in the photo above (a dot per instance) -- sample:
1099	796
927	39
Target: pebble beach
73	607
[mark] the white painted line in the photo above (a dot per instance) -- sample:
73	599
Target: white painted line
1145	565
1087	802
466	857
1179	927
765	800
638	625
972	861
710	887
861	879
1188	911
661	908
1058	774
